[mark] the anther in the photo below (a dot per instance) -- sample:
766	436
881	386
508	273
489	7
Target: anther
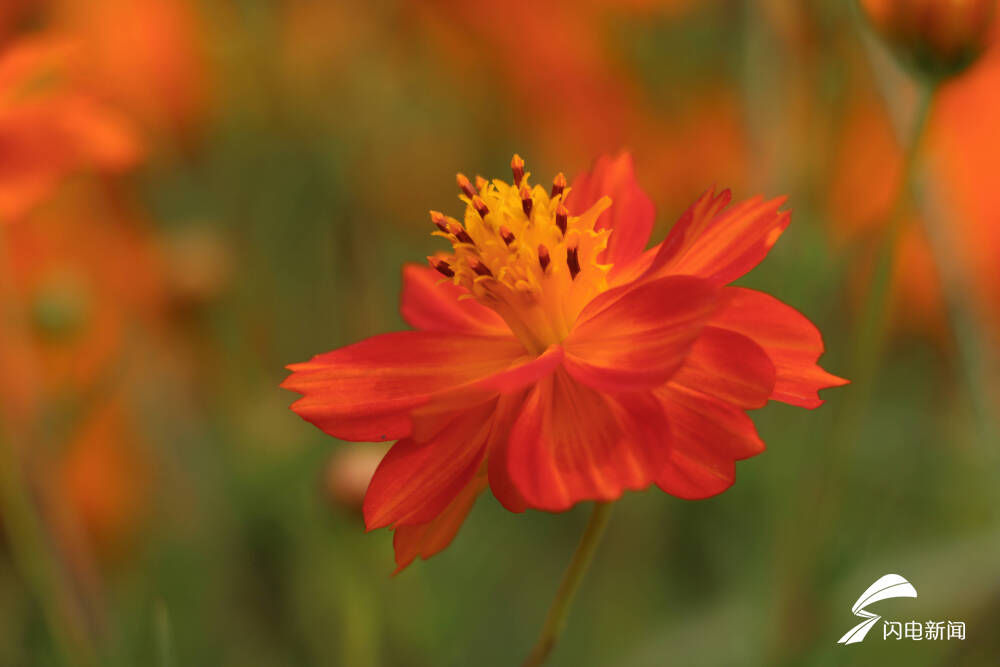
506	235
562	217
543	257
441	267
480	268
459	232
558	184
480	183
517	167
480	206
465	185
526	201
437	217
573	261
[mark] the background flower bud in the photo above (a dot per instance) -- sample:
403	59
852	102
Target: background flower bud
938	38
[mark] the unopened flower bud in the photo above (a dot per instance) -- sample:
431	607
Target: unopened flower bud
937	38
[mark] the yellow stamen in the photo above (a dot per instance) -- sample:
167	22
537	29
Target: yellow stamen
524	255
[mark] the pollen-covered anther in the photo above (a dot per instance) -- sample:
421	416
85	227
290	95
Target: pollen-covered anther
441	267
558	184
573	261
437	217
562	217
506	235
517	168
526	201
480	268
480	206
465	185
459	233
543	257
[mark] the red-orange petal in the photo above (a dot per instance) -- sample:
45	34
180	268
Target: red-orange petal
426	539
707	436
793	343
728	366
631	214
366	391
432	304
416	481
721	245
571	443
633	338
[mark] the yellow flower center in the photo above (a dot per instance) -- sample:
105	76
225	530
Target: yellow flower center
522	254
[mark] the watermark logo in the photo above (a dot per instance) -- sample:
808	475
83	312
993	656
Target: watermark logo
895	586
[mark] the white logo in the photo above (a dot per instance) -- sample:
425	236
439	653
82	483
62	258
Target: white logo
895	586
889	586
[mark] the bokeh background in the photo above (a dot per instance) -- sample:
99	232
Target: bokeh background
195	194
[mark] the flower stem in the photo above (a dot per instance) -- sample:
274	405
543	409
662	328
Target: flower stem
555	622
30	553
808	537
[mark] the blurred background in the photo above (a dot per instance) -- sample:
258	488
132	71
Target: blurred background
195	194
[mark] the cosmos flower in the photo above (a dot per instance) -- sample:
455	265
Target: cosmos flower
52	125
149	56
556	360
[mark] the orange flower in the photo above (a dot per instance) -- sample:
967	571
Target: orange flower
51	125
76	286
965	147
561	361
102	478
146	55
581	92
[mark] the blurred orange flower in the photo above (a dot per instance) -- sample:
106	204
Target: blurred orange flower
102	478
563	361
965	148
962	151
52	124
582	95
77	284
146	55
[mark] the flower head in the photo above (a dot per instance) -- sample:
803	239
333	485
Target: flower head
557	360
52	125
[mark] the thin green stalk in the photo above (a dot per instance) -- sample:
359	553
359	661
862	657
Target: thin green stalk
555	622
165	656
805	544
32	558
873	326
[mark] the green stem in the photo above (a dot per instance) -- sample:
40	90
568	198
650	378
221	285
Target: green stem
873	326
555	622
31	555
806	544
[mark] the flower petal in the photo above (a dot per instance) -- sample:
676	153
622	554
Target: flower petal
791	341
417	480
427	539
707	436
432	303
725	374
501	484
571	443
631	214
632	338
720	245
366	391
728	366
